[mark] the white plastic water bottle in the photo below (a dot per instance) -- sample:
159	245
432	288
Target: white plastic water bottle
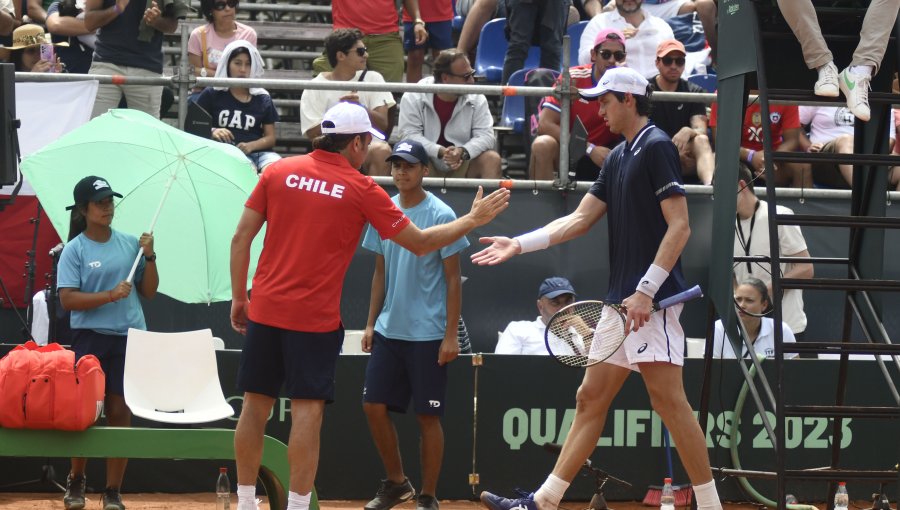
841	499
223	490
667	500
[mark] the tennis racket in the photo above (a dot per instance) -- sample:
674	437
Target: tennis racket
588	332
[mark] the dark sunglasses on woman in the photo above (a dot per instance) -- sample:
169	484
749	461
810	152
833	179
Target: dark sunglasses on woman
220	6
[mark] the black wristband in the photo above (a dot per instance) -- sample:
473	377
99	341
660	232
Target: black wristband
151	258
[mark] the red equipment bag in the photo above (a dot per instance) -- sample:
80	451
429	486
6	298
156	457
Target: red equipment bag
43	388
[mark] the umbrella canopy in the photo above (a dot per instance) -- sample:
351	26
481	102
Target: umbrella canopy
140	156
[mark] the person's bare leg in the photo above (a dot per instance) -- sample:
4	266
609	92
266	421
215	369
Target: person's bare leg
600	385
248	436
485	166
706	161
844	145
384	435
303	443
375	163
117	415
431	451
481	12
544	164
414	60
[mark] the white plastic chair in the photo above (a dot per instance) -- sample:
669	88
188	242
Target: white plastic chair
173	377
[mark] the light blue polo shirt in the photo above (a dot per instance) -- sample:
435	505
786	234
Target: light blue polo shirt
415	300
98	267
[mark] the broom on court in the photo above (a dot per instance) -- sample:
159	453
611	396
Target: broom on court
683	492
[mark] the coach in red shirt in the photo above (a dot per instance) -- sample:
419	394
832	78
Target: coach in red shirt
315	208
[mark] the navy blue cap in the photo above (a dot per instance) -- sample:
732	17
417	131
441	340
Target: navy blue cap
92	189
410	151
555	286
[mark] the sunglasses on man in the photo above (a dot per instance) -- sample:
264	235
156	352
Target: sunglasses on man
220	6
667	61
466	76
605	54
360	51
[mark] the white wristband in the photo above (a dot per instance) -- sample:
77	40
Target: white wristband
652	280
533	241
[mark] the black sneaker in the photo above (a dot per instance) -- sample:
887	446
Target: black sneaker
426	502
111	500
391	494
74	496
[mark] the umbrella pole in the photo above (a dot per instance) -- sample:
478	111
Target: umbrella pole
152	224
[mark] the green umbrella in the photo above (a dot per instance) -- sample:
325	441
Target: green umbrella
188	191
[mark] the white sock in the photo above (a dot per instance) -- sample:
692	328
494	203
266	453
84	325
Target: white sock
866	70
551	493
299	502
246	494
707	496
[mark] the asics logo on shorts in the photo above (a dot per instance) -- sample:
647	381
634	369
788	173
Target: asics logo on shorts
434	403
642	348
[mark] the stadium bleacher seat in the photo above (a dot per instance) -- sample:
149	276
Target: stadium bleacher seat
491	52
574	32
457	23
513	113
707	81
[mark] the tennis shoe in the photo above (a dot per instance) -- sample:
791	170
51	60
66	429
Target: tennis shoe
111	500
856	89
426	502
74	496
252	504
827	85
391	494
494	502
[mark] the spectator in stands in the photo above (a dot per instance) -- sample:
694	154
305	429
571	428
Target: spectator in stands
65	22
347	56
831	132
243	116
25	52
457	130
607	50
664	9
752	300
684	122
120	50
853	81
207	42
378	21
527	337
535	23
8	18
438	17
752	239
643	31
784	121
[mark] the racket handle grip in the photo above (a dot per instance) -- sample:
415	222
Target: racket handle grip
692	293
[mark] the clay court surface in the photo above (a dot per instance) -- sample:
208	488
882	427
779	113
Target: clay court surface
206	501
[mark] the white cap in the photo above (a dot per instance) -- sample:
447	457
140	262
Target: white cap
348	119
618	79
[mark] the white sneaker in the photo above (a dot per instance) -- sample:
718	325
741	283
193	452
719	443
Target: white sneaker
856	89
827	85
248	505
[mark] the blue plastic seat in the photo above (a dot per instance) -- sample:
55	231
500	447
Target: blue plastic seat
709	82
457	23
574	32
513	113
491	52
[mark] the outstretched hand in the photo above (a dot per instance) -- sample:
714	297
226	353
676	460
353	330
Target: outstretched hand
487	208
500	250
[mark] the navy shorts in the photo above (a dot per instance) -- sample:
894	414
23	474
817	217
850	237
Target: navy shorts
400	369
303	362
109	349
440	35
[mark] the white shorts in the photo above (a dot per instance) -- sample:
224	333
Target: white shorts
660	340
665	10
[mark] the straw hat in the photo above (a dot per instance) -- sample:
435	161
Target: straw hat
30	35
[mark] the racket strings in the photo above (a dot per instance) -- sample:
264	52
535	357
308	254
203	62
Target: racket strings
585	333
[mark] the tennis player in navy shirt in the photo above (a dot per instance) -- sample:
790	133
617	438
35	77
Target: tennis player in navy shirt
641	190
